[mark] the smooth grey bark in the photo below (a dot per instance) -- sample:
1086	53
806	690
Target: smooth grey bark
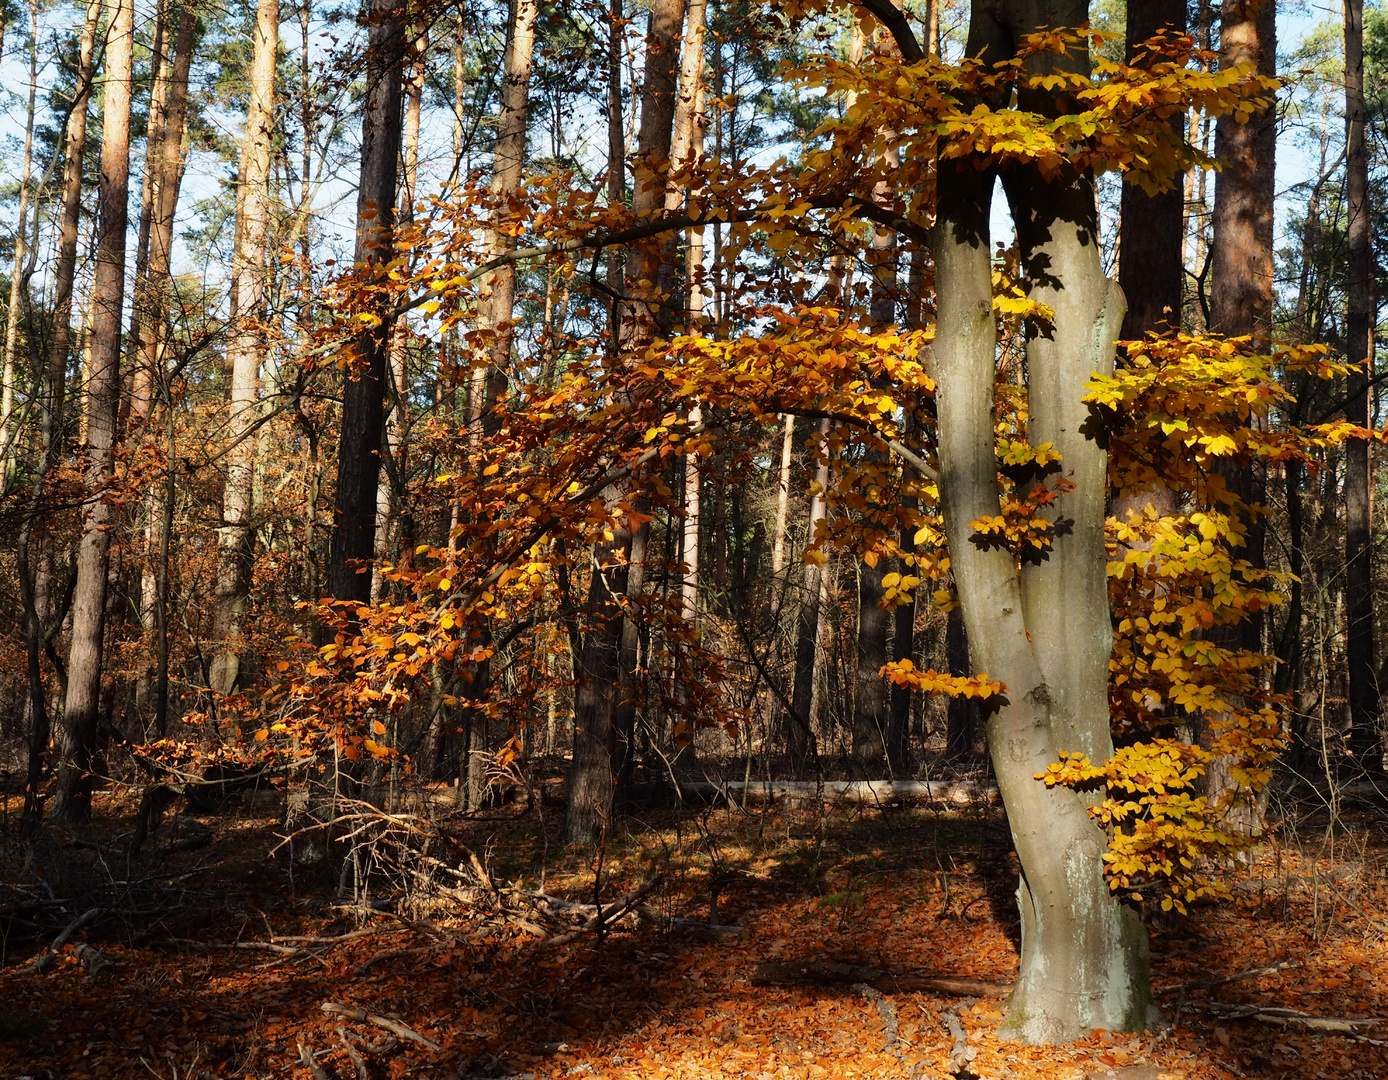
1045	633
72	800
363	395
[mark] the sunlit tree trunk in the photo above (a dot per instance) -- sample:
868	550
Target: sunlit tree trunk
363	395
1046	633
21	253
235	539
799	735
153	298
778	540
72	801
53	393
1365	738
1242	284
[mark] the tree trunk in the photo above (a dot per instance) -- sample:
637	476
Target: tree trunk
800	740
1047	635
21	251
1242	294
235	539
390	496
75	780
164	173
1365	738
363	396
1151	268
593	770
53	393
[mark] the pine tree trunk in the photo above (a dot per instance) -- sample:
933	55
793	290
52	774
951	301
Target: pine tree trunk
363	396
8	426
594	767
1365	737
72	800
390	496
235	539
1151	268
800	741
1242	287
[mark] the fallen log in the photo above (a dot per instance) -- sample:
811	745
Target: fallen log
49	956
1283	1017
868	792
818	973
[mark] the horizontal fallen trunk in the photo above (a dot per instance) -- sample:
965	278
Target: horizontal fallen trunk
816	973
868	792
1269	1014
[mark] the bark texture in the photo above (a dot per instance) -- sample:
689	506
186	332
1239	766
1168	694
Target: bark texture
1045	634
72	800
1151	268
1365	736
235	539
363	396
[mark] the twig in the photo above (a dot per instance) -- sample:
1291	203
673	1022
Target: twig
960	1053
390	954
1239	976
1283	1017
358	1062
306	1057
887	1011
46	959
309	939
351	1012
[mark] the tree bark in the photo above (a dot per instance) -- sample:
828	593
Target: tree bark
1365	737
390	496
1151	268
363	396
21	252
799	737
595	767
1045	635
235	538
35	586
72	800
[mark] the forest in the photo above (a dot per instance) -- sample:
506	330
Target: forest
693	538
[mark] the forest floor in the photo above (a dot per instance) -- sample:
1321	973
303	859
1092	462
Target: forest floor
199	988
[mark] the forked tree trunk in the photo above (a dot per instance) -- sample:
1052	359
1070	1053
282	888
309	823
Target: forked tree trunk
1365	738
153	298
363	396
73	798
1046	635
235	539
